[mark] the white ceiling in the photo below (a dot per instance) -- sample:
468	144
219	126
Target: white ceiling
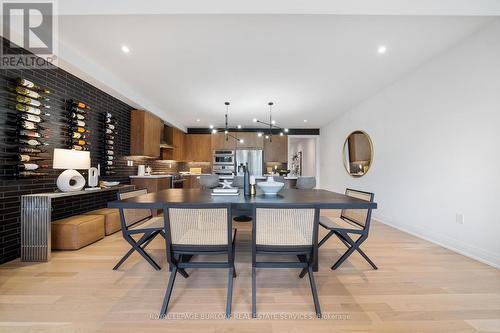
314	67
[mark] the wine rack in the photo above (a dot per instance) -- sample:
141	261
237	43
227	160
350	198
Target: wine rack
78	118
32	110
110	125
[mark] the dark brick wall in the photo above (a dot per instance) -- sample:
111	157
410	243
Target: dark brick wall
63	86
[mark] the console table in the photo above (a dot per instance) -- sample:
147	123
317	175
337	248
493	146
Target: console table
36	217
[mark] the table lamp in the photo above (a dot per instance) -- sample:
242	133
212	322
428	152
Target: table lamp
70	180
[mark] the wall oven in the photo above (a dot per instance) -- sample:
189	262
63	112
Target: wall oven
224	157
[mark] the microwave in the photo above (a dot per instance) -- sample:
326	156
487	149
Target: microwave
224	157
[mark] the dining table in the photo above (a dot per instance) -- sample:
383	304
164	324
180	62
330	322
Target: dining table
319	198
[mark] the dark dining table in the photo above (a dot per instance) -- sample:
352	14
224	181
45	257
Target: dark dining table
322	199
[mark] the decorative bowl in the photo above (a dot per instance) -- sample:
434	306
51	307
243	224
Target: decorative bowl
270	187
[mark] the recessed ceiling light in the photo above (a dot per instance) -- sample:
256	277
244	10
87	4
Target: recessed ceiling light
125	49
286	130
273	122
267	136
214	131
259	134
254	120
382	49
239	126
242	141
198	120
211	126
226	131
281	133
305	120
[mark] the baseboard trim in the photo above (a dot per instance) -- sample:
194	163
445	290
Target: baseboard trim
485	258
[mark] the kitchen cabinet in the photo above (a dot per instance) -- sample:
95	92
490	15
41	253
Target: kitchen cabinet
250	140
145	133
198	148
219	142
277	150
152	184
191	181
175	138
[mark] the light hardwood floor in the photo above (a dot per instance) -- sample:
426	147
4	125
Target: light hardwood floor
419	287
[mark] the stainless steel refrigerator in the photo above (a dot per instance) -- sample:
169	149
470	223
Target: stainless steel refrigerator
254	159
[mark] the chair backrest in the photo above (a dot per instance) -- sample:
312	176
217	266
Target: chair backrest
285	225
198	225
209	181
237	182
280	179
133	216
359	216
306	183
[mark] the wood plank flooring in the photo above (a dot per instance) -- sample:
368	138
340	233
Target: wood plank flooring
419	287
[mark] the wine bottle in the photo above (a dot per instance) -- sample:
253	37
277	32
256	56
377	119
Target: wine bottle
110	126
109	157
30	93
80	130
109	173
30	150
80	142
28	125
77	116
32	134
29	174
30	109
109	162
78	147
30	117
77	135
77	122
108	131
31	85
110	142
78	104
32	142
107	167
28	158
110	137
32	102
31	166
110	152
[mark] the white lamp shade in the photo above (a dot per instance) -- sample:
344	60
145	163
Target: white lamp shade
71	159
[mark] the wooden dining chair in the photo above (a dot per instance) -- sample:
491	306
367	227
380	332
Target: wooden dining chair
285	229
204	229
351	221
139	222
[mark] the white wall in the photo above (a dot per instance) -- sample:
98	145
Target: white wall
436	136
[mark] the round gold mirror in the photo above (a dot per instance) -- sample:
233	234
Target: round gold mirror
358	153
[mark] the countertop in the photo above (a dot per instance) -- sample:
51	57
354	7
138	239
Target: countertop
265	177
152	176
68	194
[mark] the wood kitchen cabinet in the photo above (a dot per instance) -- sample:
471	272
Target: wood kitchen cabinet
250	140
219	142
277	150
152	184
145	134
198	148
175	138
191	181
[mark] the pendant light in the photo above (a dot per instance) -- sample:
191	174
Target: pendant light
271	124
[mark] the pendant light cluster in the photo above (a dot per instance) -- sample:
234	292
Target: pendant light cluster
226	128
271	124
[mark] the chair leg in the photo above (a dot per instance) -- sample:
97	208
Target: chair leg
168	293
344	257
230	277
349	242
304	270
328	235
234	271
314	291
182	271
254	293
145	239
